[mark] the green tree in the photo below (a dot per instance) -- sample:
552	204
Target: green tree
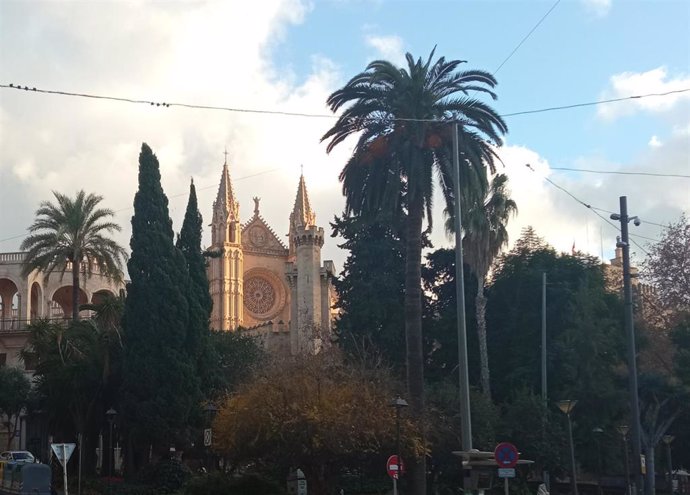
198	295
160	385
71	235
14	395
230	358
485	236
403	119
371	291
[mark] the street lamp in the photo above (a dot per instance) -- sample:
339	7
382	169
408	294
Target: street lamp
110	414
623	430
597	434
667	439
398	403
566	406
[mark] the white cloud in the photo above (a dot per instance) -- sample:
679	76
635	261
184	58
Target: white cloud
598	8
198	52
638	83
387	47
654	142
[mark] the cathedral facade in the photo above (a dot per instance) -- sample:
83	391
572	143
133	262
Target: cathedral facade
282	294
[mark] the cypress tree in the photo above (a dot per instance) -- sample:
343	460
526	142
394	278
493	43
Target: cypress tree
160	387
198	296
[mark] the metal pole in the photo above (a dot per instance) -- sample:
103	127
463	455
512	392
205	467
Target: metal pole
460	296
397	449
506	489
543	338
79	438
627	465
64	465
632	349
670	467
573	476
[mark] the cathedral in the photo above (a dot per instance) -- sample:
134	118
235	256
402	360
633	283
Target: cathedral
281	294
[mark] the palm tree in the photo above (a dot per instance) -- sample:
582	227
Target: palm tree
71	234
404	121
485	236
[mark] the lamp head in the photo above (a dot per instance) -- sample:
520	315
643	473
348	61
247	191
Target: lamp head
623	430
668	439
615	216
110	414
399	402
636	221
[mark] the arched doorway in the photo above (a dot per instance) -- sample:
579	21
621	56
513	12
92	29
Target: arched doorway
100	295
36	301
61	302
9	304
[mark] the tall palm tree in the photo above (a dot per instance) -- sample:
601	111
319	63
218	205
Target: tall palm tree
403	118
71	235
485	236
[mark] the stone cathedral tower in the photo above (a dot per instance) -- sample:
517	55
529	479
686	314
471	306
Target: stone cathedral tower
282	294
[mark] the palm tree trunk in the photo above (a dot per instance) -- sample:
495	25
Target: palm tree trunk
75	290
480	308
413	332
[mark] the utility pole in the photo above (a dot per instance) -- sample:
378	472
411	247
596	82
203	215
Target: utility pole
460	297
544	396
624	244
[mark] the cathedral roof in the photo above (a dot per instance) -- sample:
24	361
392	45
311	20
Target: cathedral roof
225	199
302	214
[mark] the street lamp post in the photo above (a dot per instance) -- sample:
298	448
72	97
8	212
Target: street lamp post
398	403
667	439
110	414
597	434
566	406
623	430
210	409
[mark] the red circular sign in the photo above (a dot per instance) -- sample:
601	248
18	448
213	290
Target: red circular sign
506	455
393	468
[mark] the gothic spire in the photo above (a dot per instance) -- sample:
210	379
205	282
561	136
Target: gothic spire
302	214
225	200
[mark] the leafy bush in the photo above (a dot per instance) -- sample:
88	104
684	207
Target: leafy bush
222	484
166	476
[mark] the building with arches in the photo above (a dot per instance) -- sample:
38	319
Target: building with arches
27	298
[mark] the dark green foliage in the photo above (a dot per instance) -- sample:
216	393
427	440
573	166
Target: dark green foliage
222	484
14	396
371	291
441	322
582	317
160	385
680	336
229	359
198	296
165	476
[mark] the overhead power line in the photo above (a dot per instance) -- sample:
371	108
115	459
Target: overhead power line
315	115
527	36
593	210
620	172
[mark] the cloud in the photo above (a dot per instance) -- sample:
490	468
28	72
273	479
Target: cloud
654	142
638	83
199	52
387	47
598	8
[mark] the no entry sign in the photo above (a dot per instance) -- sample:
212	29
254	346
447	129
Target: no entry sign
506	455
393	468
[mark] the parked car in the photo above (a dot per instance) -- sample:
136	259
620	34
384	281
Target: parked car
17	456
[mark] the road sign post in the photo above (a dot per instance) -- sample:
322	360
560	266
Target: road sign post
506	456
63	451
395	467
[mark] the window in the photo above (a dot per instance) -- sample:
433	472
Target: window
3	359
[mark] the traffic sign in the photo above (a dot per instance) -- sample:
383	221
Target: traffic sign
63	451
506	455
506	472
208	437
393	468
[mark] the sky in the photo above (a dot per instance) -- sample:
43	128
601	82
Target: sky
289	55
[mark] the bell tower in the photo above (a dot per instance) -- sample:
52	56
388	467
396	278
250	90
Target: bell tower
226	266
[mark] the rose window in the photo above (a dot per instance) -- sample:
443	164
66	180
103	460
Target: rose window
259	295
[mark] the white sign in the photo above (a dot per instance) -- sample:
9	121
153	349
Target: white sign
208	437
63	451
506	472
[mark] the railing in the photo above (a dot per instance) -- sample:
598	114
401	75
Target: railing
16	257
8	325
